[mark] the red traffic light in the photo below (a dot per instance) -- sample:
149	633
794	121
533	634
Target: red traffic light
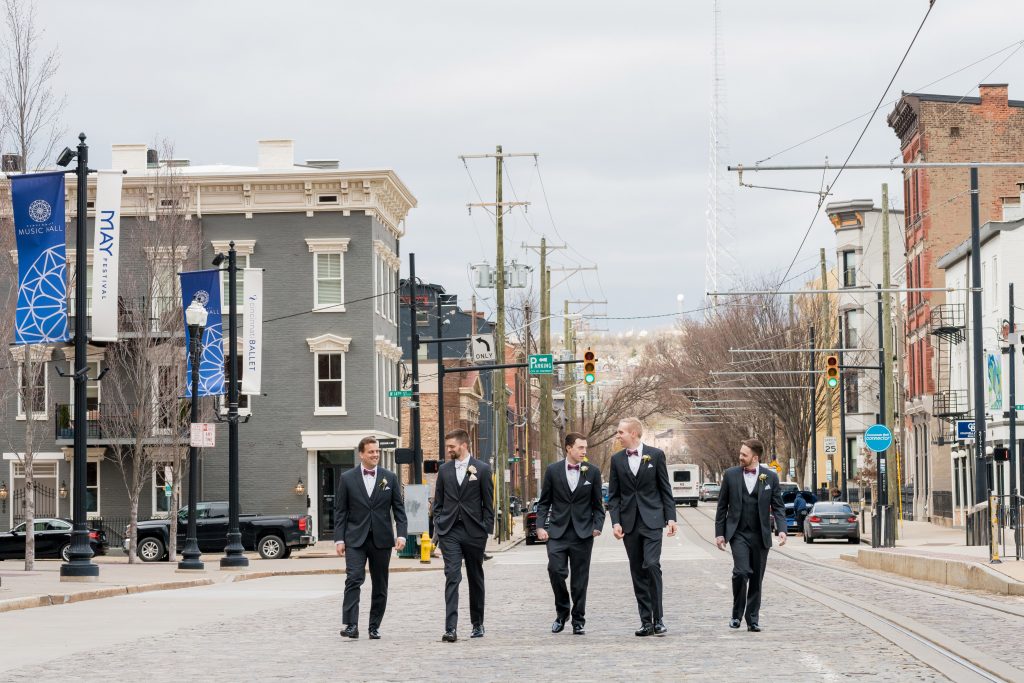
588	355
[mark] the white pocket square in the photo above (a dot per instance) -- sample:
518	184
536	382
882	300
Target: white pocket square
387	488
649	466
767	487
586	483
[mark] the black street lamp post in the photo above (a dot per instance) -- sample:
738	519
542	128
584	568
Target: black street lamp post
195	316
80	566
233	553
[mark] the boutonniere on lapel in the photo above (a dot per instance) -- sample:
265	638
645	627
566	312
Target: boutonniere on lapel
472	472
384	484
583	469
646	459
763	478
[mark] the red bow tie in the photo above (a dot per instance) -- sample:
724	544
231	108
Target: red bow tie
574	467
632	453
752	470
369	473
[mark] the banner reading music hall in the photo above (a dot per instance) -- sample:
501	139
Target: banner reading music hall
204	286
39	227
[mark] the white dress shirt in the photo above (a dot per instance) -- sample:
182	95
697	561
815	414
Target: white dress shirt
573	476
634	461
369	480
460	469
750	479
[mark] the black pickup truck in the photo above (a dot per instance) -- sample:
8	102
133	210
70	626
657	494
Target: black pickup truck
272	536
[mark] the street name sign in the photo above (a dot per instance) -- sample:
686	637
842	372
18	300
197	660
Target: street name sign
878	438
481	348
541	364
204	435
400	393
831	445
387	443
964	429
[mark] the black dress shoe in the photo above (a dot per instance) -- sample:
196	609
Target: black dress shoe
645	630
754	627
449	636
734	623
578	630
478	632
350	631
374	633
558	625
659	628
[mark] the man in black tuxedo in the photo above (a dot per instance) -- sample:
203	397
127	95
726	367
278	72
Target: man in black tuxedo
463	519
641	505
749	497
570	515
365	499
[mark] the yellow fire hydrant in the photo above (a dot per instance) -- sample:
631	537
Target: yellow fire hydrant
425	548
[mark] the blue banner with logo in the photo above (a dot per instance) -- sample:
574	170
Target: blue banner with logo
204	286
42	313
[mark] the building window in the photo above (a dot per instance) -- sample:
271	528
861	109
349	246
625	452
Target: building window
329	373
243	399
161	501
328	273
92	488
850	320
166	406
33	390
243	253
852	394
849	261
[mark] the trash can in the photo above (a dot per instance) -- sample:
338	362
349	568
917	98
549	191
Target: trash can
412	547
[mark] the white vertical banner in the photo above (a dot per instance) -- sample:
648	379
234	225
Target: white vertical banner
252	367
106	238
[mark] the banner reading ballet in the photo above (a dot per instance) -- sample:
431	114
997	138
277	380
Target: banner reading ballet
42	313
204	286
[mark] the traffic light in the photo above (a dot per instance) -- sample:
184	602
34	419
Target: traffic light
589	367
832	371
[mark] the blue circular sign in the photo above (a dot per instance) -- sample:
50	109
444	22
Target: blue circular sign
878	438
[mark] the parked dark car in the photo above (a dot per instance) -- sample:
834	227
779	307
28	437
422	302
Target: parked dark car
789	497
530	525
272	536
53	540
709	492
831	520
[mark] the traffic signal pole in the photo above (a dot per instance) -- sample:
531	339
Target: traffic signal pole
814	419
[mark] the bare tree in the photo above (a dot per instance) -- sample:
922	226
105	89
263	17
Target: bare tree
145	415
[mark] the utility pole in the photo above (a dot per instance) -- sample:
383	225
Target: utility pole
844	456
414	404
829	395
528	400
814	419
570	374
889	413
1012	371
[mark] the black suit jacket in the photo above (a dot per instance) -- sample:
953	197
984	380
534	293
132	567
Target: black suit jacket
358	517
473	501
769	503
648	495
560	509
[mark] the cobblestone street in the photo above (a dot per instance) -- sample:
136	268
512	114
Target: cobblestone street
287	628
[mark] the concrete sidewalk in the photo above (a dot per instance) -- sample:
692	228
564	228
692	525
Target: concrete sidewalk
934	553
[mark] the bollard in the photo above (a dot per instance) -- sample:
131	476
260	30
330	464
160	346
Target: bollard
425	548
994	530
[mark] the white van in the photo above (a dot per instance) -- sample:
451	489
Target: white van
685	483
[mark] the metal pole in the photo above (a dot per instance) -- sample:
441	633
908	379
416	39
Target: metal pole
1012	371
190	555
233	553
80	566
844	455
547	450
414	404
880	539
981	483
814	420
440	380
888	416
500	413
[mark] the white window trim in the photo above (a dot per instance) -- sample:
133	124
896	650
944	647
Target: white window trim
43	355
388	355
72	259
99	488
329	343
329	245
158	514
222	400
243	253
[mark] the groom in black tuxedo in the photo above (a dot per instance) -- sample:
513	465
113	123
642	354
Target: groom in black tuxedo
366	498
463	519
749	497
641	505
570	515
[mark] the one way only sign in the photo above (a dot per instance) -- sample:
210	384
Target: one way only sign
481	348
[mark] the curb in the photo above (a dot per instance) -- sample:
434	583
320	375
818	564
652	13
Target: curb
249	576
114	591
961	573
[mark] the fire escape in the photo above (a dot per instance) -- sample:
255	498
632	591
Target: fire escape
948	324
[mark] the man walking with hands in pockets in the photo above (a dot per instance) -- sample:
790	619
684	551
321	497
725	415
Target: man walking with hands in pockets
641	504
570	515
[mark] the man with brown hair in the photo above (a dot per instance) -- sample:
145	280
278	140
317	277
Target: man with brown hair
366	497
750	496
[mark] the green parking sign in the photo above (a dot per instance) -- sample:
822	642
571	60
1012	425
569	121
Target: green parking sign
541	364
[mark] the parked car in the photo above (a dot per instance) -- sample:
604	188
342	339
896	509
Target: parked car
604	494
684	478
789	495
53	540
709	492
831	520
272	536
530	525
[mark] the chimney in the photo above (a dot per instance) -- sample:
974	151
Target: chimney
152	158
995	95
12	163
129	157
276	154
325	164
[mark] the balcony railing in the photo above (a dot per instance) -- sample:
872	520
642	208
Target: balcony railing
140	315
951	403
101	424
64	423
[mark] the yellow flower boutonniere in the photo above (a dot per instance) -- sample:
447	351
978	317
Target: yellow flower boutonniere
763	477
645	458
383	483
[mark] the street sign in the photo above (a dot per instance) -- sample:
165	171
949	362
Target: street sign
774	464
167	490
878	438
481	348
204	435
542	364
831	445
964	429
1019	406
387	443
400	393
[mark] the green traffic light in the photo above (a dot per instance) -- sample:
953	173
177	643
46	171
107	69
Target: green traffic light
833	382
589	378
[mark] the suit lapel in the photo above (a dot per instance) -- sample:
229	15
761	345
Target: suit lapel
376	484
359	482
629	470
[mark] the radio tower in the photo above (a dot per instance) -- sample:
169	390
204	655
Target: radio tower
716	230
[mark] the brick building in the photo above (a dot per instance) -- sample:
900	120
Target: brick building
945	128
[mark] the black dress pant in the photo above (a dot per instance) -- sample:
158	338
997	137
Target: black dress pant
749	558
457	545
643	548
356	560
570	551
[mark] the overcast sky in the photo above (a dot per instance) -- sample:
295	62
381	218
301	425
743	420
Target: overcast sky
615	98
